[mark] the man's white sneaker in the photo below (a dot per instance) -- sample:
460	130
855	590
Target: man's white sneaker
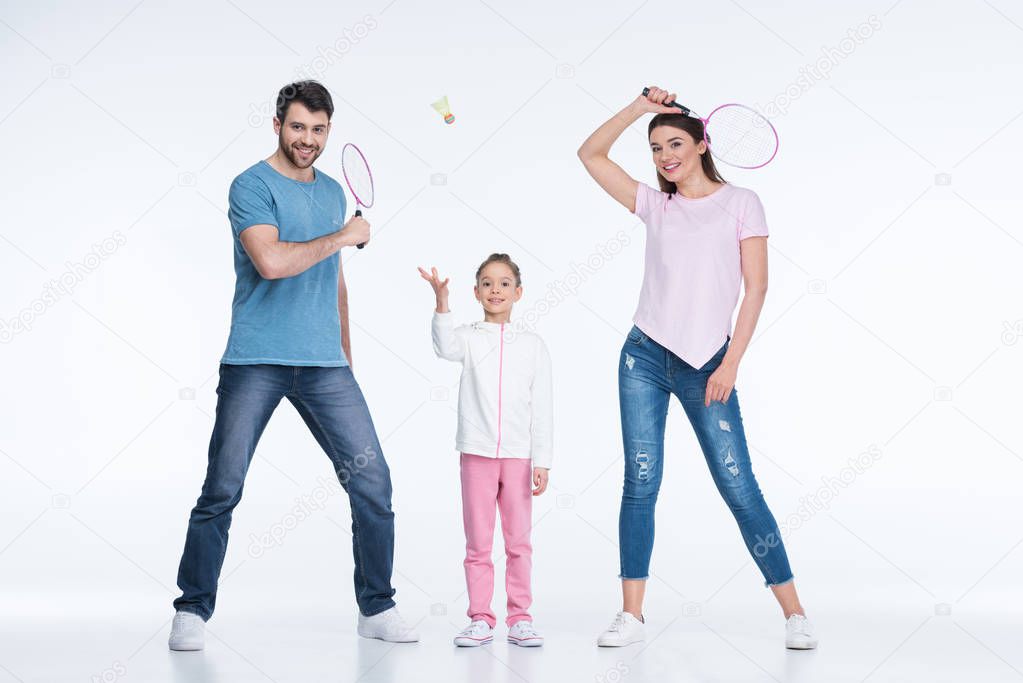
624	630
523	634
799	633
389	626
475	634
188	632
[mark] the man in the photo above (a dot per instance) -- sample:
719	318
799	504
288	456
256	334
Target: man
290	338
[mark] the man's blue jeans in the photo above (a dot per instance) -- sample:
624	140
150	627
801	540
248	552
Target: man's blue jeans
648	374
332	405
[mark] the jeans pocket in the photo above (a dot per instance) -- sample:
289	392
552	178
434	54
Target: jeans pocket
636	336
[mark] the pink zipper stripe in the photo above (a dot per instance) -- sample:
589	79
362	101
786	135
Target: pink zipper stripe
500	377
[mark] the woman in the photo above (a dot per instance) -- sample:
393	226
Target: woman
703	236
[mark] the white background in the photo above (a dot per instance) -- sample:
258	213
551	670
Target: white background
893	321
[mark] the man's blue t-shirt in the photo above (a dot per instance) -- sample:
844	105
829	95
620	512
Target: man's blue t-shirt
292	320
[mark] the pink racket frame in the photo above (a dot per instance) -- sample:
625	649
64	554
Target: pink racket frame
348	182
769	124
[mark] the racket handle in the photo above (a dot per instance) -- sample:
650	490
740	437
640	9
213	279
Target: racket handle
358	212
685	110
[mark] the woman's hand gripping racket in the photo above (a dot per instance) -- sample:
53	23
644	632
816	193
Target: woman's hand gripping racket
736	134
358	177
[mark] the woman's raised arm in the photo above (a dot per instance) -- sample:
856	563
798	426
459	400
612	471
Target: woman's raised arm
593	153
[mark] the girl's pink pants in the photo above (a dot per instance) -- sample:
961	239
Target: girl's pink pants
489	484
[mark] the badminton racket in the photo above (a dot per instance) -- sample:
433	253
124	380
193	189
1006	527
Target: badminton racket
358	178
736	134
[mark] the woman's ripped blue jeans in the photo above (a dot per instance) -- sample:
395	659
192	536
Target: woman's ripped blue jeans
648	374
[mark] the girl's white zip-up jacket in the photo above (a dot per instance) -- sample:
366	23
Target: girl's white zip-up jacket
505	402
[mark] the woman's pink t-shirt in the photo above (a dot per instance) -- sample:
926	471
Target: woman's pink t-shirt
692	276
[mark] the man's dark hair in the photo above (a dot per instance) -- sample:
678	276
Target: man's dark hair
311	94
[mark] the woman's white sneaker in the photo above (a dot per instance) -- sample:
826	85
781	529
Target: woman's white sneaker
523	634
188	632
475	634
624	630
799	633
389	626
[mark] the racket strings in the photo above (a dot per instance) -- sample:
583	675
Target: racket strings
360	181
741	137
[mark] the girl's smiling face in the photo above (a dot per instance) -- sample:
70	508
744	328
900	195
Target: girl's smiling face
496	290
675	153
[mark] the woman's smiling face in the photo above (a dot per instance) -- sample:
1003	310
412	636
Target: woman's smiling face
675	153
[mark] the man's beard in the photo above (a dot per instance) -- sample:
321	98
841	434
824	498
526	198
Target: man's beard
297	160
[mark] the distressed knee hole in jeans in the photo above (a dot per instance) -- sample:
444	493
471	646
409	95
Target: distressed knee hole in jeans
643	461
724	426
629	361
730	463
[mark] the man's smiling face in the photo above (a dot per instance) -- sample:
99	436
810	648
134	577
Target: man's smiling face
302	135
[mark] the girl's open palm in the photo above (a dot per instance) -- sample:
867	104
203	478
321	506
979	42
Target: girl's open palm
439	288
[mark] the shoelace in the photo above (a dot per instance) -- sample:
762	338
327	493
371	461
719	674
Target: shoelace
618	625
475	628
180	619
799	625
527	630
395	620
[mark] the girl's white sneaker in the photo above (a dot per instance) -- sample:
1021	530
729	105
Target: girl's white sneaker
475	634
799	633
624	630
523	634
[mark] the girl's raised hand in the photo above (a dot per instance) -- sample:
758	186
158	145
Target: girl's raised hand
439	288
656	101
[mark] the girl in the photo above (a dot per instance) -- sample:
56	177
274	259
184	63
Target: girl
504	421
703	236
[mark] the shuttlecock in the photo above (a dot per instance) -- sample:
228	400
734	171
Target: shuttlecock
444	110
